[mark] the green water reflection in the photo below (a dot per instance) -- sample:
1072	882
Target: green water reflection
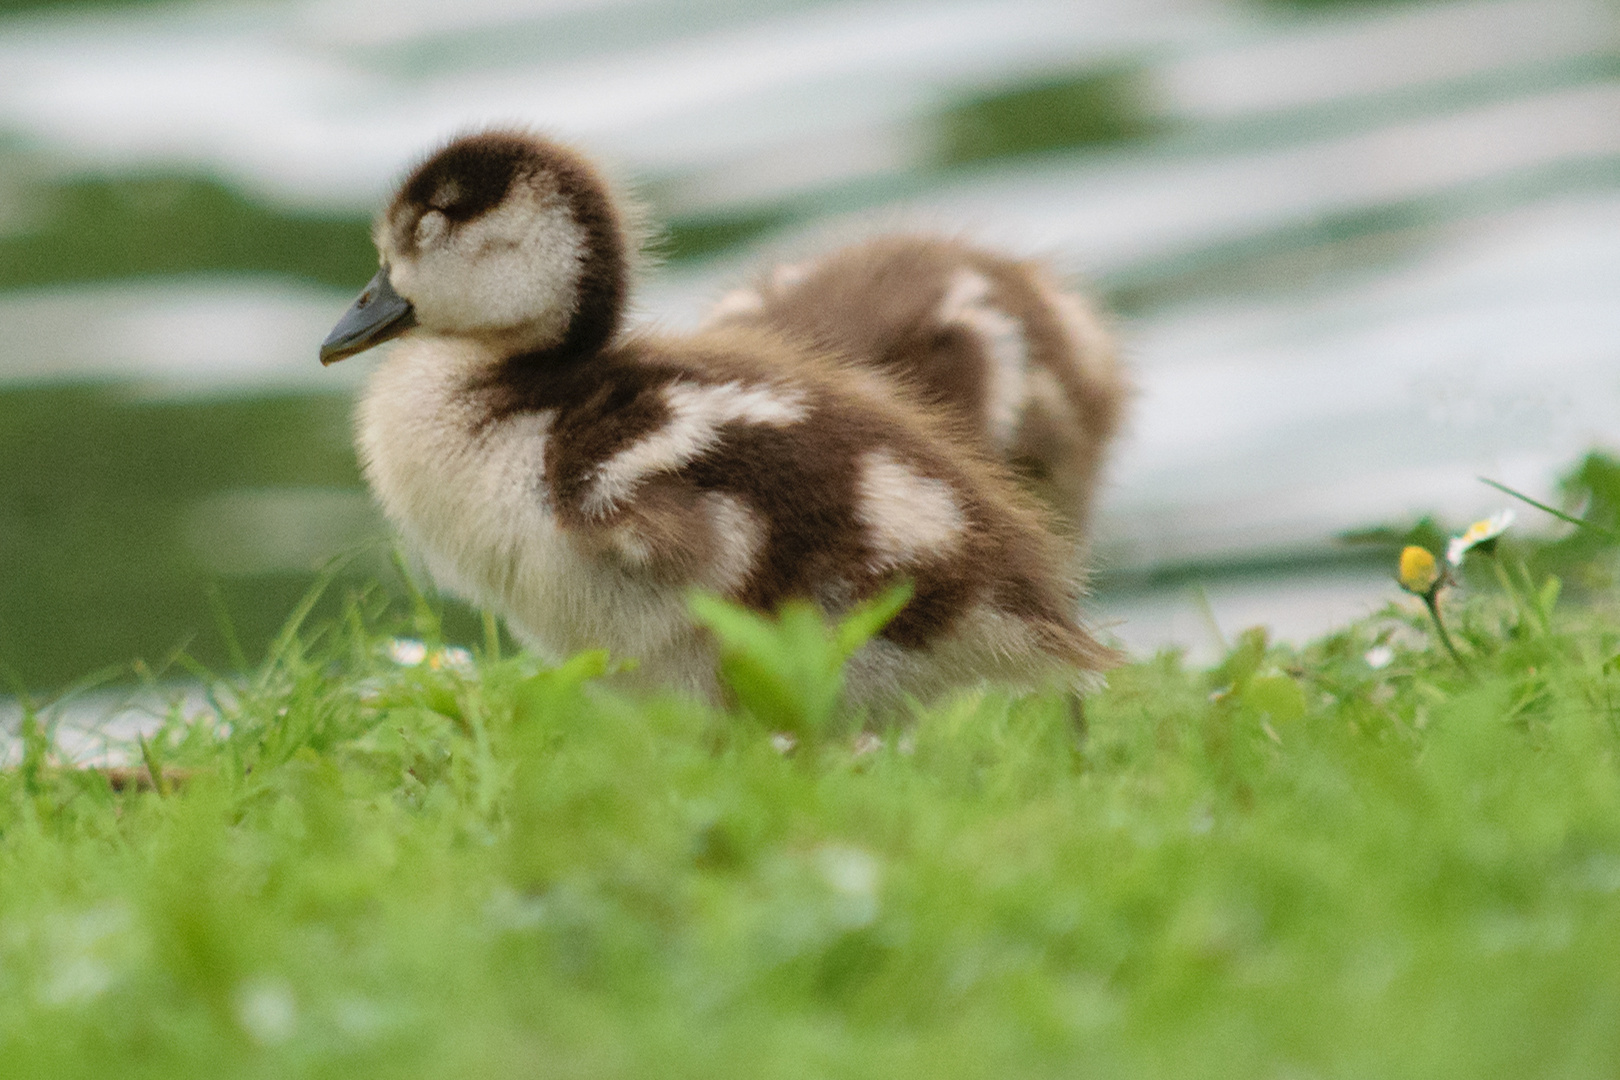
107	549
99	228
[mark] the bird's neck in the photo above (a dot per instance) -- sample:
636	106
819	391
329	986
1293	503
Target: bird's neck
532	380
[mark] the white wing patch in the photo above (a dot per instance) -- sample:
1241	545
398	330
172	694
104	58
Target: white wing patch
739	537
1087	338
734	303
698	412
967	304
631	548
785	276
906	514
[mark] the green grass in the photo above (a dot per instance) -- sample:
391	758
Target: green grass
1293	865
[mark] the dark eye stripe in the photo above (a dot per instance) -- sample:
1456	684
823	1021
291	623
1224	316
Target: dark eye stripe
469	177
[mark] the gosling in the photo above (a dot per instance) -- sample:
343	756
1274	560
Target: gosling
581	479
1026	367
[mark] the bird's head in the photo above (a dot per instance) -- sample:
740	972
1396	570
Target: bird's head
502	236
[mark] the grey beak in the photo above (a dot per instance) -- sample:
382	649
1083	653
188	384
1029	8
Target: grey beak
380	313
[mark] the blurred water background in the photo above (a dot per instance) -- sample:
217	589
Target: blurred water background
1360	254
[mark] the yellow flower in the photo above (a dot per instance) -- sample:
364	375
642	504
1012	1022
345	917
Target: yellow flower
451	659
1420	574
1481	535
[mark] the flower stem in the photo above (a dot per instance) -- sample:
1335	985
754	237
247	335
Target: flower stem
1432	602
1506	582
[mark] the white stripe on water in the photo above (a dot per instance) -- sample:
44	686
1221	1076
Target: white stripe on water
1106	212
219	334
1370	52
253	92
1277	424
284	99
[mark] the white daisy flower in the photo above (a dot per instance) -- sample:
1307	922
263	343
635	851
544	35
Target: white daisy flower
406	652
1481	534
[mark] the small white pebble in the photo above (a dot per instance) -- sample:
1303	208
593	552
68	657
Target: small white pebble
1379	656
783	743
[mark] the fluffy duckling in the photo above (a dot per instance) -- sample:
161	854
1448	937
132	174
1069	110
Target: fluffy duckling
1028	367
580	478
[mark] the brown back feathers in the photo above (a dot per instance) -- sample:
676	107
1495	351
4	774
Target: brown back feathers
1028	367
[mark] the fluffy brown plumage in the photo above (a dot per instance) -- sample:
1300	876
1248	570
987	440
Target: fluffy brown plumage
1026	366
580	478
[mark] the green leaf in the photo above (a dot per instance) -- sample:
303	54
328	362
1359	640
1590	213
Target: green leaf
1242	662
1276	695
788	671
868	620
1547	597
545	693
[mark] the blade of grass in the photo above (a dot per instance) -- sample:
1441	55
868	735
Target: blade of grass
492	637
226	628
1544	508
1207	610
287	639
154	768
426	622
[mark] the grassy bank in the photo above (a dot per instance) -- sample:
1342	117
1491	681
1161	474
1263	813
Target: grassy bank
1353	860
